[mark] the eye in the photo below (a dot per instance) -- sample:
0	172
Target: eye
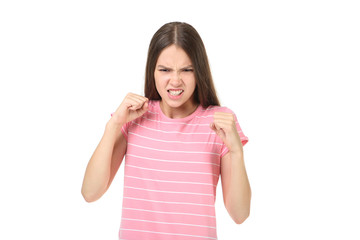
164	70
188	70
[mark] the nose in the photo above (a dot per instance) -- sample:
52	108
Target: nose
176	79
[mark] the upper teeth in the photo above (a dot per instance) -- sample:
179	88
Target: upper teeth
175	92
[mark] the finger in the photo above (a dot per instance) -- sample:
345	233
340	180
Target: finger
215	126
220	115
222	124
136	102
136	96
224	120
144	107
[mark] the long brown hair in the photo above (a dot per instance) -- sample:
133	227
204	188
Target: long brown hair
186	37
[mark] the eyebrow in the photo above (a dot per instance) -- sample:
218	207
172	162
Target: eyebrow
161	66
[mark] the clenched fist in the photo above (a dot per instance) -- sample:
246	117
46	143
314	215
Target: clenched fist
132	107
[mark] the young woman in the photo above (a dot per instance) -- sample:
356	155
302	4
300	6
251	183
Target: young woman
176	141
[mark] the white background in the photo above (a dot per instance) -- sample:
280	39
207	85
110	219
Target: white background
288	69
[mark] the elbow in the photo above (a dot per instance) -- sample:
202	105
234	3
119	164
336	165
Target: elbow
240	214
241	219
92	193
88	197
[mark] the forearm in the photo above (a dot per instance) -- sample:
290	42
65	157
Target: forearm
98	169
239	195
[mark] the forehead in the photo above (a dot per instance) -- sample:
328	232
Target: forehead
173	56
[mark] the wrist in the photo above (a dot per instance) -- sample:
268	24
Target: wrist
114	126
236	151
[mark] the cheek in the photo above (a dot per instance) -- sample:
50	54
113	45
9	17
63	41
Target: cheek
159	83
191	81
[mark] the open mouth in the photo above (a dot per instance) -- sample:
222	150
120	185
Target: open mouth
175	93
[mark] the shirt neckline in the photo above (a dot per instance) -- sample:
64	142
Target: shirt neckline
184	119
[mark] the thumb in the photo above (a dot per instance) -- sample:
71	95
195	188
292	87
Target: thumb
212	126
144	108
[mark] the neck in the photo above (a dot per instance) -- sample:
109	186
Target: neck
179	112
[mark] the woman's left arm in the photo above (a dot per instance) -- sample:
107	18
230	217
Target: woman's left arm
235	183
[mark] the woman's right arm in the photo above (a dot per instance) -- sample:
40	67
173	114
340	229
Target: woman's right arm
104	162
109	153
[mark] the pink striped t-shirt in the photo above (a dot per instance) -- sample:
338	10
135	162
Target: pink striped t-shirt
172	168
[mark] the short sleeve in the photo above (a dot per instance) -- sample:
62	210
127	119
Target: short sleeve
244	139
124	129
